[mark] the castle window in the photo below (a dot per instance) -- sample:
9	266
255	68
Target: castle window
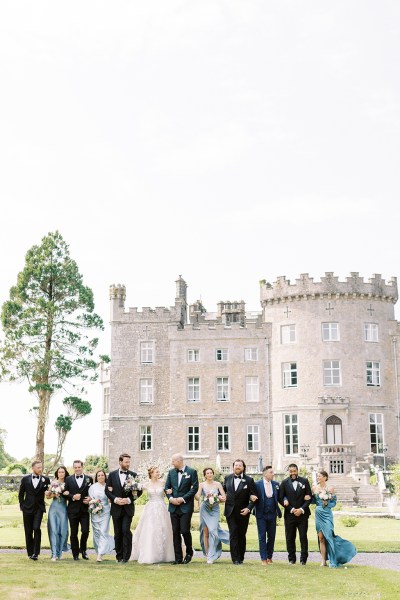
146	352
376	432
145	437
193	389
193	355
106	440
253	438
291	434
289	374
330	332
370	332
252	387
146	391
193	438
221	354
250	354
373	373
106	400
222	389
223	438
332	373
288	334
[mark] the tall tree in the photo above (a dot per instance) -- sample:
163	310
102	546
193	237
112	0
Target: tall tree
5	458
76	409
48	322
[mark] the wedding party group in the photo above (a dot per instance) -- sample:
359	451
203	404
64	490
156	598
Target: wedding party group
163	533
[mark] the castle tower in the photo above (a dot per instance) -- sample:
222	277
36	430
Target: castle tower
333	374
117	301
180	299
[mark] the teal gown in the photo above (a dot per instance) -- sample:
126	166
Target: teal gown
57	527
339	551
209	517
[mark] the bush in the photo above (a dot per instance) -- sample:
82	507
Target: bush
8	497
349	521
339	506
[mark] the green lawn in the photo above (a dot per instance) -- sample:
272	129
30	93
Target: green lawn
369	535
21	578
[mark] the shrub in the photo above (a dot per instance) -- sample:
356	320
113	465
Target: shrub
339	506
349	521
8	497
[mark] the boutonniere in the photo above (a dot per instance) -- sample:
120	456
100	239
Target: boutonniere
277	487
244	487
186	475
43	479
87	480
301	486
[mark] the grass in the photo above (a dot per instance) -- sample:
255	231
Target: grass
369	535
21	578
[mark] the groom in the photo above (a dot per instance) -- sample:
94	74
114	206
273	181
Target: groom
295	496
180	487
122	507
31	503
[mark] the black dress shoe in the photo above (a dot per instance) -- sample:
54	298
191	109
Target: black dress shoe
292	562
119	560
124	560
187	559
85	556
33	557
76	557
236	562
303	562
177	562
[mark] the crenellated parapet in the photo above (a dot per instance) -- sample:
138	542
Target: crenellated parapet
305	288
117	292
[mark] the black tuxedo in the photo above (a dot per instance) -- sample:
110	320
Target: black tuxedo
121	515
32	505
78	512
236	500
181	515
293	523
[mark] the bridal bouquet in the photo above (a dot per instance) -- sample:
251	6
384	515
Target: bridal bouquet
56	488
95	506
211	499
132	485
325	497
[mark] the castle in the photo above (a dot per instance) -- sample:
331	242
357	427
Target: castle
311	378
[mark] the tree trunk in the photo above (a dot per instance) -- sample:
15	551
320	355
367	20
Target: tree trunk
42	417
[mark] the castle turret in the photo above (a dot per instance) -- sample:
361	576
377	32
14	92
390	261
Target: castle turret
180	300
117	301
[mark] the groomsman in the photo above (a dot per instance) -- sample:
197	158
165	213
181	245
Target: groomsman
241	494
32	505
76	492
267	511
122	507
293	492
181	486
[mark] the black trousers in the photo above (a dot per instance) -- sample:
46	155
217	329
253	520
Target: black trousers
33	534
292	525
237	525
181	527
75	520
123	536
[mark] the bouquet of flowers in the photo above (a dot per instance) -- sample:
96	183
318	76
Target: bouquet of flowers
95	506
56	488
211	499
132	485
325	497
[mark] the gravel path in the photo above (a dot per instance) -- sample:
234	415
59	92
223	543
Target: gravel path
381	560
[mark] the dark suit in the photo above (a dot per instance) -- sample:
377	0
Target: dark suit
293	523
78	512
236	500
31	502
121	514
181	515
267	511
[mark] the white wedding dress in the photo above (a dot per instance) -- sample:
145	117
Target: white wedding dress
152	539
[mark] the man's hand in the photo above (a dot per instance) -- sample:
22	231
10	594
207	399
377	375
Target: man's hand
174	501
244	511
286	503
253	498
86	500
121	501
297	512
76	497
307	497
169	491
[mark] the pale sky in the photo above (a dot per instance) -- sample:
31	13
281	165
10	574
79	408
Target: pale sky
227	141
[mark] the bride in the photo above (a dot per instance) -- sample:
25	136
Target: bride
152	540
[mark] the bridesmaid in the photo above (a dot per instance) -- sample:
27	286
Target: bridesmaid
57	522
332	547
103	542
211	534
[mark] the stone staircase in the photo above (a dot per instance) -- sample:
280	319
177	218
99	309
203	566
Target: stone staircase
368	495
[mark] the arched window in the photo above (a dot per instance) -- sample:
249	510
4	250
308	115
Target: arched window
334	430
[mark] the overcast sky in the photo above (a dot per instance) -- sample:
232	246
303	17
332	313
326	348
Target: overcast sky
227	141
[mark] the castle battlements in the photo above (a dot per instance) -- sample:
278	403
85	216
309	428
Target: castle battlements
305	288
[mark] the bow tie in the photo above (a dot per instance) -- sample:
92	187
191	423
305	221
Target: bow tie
293	480
79	476
35	477
179	471
123	473
238	477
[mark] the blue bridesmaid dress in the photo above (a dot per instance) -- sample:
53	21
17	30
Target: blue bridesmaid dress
339	551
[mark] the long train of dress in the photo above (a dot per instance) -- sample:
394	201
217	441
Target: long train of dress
152	540
339	551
